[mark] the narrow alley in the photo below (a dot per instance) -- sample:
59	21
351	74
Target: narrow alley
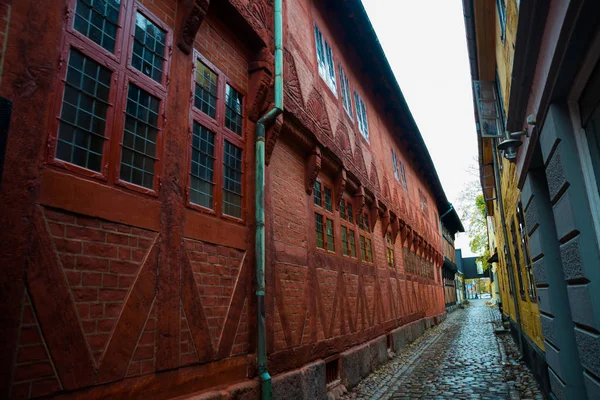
461	358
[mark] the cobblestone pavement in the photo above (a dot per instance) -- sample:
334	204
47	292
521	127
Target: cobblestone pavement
461	358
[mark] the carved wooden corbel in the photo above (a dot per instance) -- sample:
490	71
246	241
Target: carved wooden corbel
374	214
403	230
340	187
259	82
385	222
312	169
193	12
272	136
409	237
395	224
359	199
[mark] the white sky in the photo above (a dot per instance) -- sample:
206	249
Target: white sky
426	46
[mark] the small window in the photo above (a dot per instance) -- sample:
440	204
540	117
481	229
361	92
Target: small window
328	205
330	236
205	91
345	247
148	53
345	88
365	249
139	138
85	104
317	194
319	231
350	213
332	371
352	243
343	209
325	61
203	170
403	176
395	165
232	180
389	250
361	114
233	110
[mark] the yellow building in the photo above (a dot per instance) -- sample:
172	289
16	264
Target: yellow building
535	67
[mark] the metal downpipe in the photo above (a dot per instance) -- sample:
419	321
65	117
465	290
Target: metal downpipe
511	275
268	118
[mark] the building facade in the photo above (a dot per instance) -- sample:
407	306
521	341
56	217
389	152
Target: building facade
128	196
449	267
537	136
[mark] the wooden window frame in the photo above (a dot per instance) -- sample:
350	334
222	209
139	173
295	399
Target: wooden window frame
364	231
531	289
389	250
122	75
325	215
395	165
346	92
330	81
359	105
222	133
517	256
350	224
403	176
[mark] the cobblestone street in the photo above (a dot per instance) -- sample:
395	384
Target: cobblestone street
461	358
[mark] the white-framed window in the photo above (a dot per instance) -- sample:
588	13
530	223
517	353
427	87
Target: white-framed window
403	176
361	115
395	163
345	88
325	61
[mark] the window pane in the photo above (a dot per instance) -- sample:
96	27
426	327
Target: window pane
139	138
317	194
319	230
330	237
350	214
202	167
352	244
205	94
361	113
148	52
97	19
363	251
83	115
233	110
328	205
232	180
343	209
403	175
369	252
345	241
345	89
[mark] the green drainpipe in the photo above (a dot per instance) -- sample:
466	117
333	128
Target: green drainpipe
265	378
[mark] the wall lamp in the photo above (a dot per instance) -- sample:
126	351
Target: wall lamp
511	141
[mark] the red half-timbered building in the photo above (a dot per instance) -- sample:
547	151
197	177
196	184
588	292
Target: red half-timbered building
127	200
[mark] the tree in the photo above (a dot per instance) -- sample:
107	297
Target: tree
471	207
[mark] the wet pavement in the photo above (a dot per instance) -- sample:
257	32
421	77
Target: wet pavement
461	358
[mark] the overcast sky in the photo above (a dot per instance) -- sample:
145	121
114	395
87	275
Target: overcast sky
426	46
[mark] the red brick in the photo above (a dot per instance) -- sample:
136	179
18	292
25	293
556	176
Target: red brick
144	243
85	294
143	353
59	216
123	267
31	353
30	335
83	310
210	280
138	255
110	280
98	340
117	238
91	278
88	326
67	260
56	229
92	264
112	294
20	390
33	371
89	222
84	233
44	387
68	246
143	233
73	277
135	368
96	310
189	358
106	325
124	253
125	282
147	338
112	309
147	366
151	324
100	250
